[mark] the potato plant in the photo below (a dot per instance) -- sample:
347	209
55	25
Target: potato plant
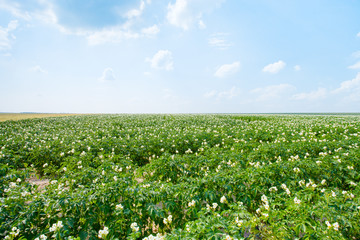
180	177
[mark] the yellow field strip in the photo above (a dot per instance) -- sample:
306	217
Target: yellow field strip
20	116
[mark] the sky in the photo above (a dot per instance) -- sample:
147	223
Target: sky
179	56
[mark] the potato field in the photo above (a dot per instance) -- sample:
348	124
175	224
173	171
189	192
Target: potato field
181	176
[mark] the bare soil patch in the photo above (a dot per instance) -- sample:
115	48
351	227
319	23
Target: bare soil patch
20	116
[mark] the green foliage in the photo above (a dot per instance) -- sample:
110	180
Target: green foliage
180	177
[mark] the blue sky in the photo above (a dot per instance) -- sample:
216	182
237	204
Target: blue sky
179	56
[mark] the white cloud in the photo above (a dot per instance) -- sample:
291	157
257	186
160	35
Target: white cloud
350	85
314	95
233	92
179	14
297	67
151	31
272	92
115	34
358	35
108	75
356	54
202	25
210	94
228	94
111	35
15	9
162	60
168	94
185	13
218	40
355	66
350	90
274	67
5	35
136	12
227	70
38	69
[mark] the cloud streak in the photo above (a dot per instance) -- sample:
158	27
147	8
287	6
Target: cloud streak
272	92
218	40
274	67
185	13
6	37
320	93
107	75
227	94
162	60
227	70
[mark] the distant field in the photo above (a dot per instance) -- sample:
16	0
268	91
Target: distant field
19	116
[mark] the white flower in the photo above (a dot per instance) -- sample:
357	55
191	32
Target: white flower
103	233
134	227
223	199
328	224
296	170
169	219
56	226
239	222
228	237
214	205
14	232
273	189
350	167
192	203
45	165
60	224
119	207
297	201
18	180
302	182
353	184
264	199
208	207
336	226
333	193
323	182
115	178
188	151
64	169
43	237
157	237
